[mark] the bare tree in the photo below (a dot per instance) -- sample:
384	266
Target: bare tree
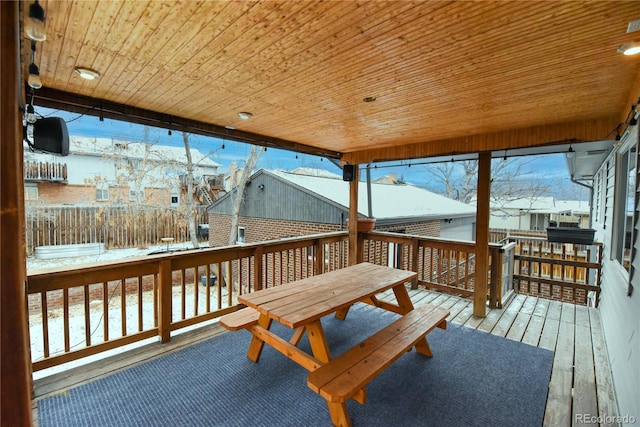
510	180
190	202
252	160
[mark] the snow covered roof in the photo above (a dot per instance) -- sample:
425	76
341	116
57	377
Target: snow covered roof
388	201
544	205
135	150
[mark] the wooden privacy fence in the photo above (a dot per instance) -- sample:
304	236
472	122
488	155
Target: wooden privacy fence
115	226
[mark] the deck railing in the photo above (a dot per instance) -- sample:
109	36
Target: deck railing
79	311
84	310
45	171
442	265
562	271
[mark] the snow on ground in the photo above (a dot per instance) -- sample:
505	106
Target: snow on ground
77	326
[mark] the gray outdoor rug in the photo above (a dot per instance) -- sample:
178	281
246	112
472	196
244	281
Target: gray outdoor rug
474	379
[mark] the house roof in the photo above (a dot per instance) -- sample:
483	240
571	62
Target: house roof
388	201
544	205
136	150
443	78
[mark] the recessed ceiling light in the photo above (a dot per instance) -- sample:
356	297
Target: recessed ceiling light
87	73
244	115
631	48
369	99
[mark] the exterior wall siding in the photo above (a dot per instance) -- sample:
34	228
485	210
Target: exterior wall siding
620	313
293	203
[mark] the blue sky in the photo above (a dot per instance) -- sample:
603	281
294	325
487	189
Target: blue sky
547	167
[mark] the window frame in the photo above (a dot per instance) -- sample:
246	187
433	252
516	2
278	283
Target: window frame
624	189
101	192
241	236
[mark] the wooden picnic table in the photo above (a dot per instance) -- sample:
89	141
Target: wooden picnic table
301	304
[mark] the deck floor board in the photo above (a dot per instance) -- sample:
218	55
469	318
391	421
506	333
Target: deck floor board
580	379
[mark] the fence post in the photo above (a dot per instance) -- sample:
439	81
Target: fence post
495	284
164	300
414	263
257	269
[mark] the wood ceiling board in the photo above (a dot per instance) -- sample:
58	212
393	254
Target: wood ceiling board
440	70
552	134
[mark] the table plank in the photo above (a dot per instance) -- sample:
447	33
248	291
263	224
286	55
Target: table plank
309	299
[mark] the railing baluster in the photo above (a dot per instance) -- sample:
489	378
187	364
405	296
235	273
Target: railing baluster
87	317
196	291
45	323
123	306
183	296
105	311
65	317
140	304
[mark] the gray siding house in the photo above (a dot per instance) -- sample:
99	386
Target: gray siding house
280	204
614	216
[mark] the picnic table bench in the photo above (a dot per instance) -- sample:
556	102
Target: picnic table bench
346	376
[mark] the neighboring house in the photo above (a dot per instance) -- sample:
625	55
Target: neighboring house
538	213
280	204
102	170
615	214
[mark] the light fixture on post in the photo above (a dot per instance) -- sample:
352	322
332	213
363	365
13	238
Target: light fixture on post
34	27
570	152
34	72
631	48
34	77
30	115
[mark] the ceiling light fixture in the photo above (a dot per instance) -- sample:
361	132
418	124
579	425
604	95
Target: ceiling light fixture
87	73
631	48
34	27
369	99
244	115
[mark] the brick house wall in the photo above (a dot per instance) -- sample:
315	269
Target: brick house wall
50	193
261	229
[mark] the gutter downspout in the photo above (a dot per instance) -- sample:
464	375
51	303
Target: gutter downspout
590	187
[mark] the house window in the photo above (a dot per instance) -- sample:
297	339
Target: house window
538	222
175	200
241	231
134	164
133	195
102	194
623	209
31	192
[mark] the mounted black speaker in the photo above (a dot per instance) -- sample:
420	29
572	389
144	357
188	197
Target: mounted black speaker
348	172
50	135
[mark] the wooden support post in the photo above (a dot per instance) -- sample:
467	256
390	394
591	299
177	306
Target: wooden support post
353	217
15	382
164	300
482	235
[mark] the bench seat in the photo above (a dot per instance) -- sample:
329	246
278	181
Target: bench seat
346	375
240	319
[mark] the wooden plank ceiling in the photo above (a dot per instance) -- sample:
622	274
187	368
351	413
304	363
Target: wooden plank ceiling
447	77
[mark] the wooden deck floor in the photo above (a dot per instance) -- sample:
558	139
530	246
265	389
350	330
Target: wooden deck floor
580	379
